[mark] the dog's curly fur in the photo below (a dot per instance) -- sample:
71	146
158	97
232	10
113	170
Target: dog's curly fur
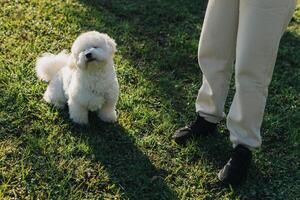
85	79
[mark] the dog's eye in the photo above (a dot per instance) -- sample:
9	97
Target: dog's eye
95	47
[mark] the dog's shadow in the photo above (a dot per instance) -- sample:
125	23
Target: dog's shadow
126	165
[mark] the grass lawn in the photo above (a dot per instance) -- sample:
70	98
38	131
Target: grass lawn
43	155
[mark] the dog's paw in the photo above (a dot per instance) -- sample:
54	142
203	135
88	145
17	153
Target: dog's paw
56	103
108	116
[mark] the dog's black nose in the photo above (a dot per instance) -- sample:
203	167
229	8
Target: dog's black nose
88	55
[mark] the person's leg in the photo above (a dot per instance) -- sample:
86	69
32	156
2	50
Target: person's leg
215	55
261	24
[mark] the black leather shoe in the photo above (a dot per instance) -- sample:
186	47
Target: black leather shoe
197	128
235	170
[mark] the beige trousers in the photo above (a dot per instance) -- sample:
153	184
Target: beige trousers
247	31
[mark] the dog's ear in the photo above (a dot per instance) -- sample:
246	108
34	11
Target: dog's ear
72	62
111	44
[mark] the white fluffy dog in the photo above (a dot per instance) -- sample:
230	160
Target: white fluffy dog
85	79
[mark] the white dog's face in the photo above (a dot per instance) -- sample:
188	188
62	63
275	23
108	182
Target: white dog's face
92	49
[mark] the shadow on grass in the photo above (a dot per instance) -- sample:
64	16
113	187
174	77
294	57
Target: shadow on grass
128	167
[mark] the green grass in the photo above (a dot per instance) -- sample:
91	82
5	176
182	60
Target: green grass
45	156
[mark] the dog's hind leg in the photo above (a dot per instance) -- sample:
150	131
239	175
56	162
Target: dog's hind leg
108	113
55	93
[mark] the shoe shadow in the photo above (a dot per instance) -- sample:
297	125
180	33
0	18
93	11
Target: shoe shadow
211	150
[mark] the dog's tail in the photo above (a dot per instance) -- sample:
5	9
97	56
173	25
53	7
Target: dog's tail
48	64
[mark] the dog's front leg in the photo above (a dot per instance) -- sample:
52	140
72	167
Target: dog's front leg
108	112
78	113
